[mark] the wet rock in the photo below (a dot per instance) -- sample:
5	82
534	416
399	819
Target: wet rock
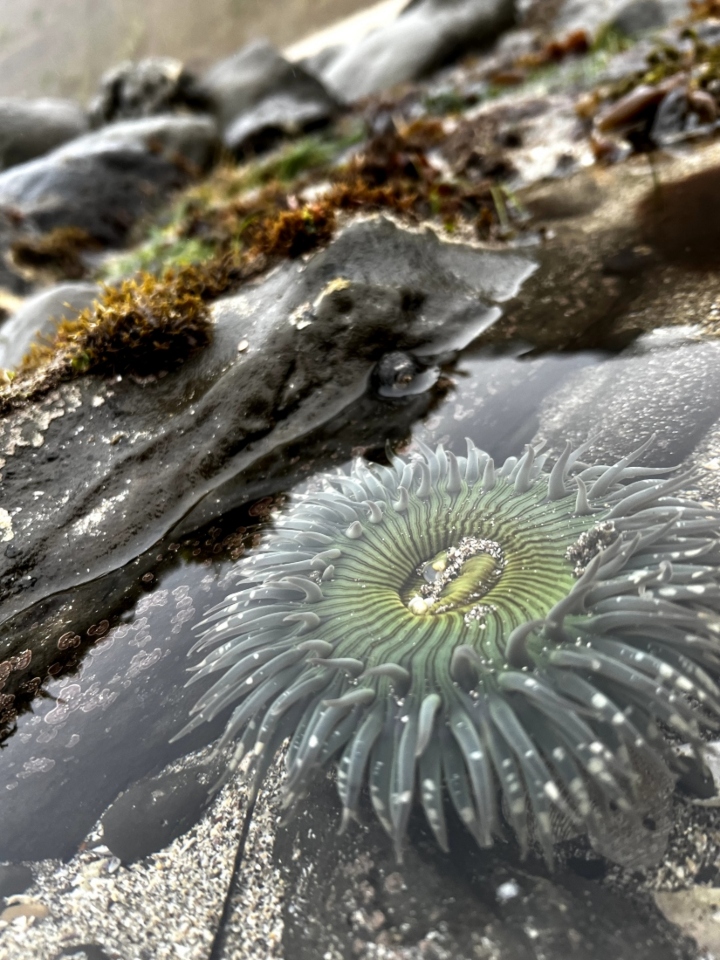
681	219
281	114
10	279
536	137
106	728
30	128
299	891
639	16
38	317
637	108
427	34
670	118
258	94
102	182
144	88
168	905
665	384
630	16
400	375
120	463
318	62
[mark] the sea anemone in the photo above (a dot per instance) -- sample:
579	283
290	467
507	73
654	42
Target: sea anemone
531	640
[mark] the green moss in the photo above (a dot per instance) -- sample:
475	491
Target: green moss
311	153
171	244
163	249
448	102
610	41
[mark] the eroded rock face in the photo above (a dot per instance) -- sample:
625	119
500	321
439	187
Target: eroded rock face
121	463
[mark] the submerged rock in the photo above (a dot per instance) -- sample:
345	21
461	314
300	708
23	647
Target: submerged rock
297	891
120	463
102	182
30	128
156	810
618	402
357	900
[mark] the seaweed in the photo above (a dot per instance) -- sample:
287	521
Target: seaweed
140	326
685	58
216	238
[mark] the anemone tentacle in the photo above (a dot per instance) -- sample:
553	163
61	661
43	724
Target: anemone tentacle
517	637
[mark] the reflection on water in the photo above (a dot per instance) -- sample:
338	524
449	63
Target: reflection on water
107	722
495	398
63	47
101	727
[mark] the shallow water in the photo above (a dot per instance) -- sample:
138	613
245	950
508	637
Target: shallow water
119	695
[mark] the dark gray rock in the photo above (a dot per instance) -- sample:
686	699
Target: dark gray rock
427	34
10	278
639	16
257	89
145	88
122	463
318	62
630	16
102	182
14	879
30	128
106	727
278	115
38	316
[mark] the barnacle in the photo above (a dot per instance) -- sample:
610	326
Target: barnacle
528	639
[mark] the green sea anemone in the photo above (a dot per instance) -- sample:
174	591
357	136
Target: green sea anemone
528	640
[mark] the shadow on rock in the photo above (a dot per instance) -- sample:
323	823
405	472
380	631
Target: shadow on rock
348	897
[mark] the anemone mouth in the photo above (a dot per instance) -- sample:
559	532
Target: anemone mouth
518	637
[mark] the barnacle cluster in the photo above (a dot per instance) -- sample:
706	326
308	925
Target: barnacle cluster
527	639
